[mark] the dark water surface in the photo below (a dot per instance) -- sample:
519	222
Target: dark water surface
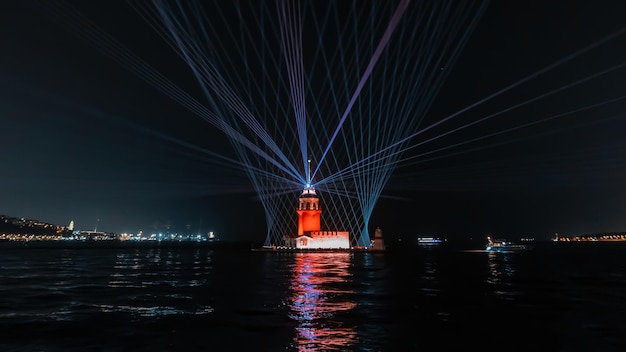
558	297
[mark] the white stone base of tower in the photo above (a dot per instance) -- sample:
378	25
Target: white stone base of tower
324	240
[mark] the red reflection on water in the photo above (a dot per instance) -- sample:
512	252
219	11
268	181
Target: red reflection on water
320	301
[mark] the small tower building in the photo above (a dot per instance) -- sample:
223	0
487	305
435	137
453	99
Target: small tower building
378	244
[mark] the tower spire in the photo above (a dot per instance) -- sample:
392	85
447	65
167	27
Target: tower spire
308	176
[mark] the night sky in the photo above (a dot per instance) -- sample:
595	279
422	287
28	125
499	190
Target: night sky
83	138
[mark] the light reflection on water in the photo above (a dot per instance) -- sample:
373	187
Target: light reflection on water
149	268
162	270
430	283
154	311
501	274
319	294
183	299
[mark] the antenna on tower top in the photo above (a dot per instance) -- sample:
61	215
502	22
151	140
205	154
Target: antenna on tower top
308	176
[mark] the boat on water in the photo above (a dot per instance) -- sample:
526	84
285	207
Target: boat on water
429	241
501	245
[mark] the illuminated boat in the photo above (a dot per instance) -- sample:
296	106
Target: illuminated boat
429	241
501	245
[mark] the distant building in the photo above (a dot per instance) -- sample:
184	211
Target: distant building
71	226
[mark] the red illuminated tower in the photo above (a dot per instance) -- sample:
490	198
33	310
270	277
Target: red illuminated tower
309	212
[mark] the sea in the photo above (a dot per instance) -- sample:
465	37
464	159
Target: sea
448	297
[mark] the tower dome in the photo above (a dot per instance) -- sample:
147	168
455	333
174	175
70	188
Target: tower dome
308	192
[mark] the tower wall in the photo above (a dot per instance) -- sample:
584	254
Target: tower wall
309	220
